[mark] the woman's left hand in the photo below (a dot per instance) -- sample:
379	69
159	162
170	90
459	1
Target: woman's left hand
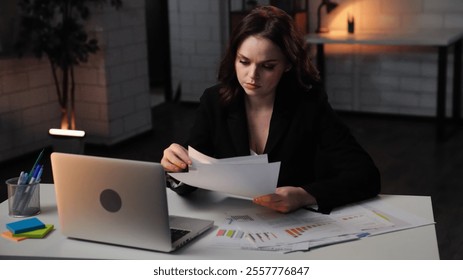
286	199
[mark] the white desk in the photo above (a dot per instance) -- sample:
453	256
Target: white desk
418	243
441	39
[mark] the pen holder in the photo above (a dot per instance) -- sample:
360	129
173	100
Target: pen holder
23	200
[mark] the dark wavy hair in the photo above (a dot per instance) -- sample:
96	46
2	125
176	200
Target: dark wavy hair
277	26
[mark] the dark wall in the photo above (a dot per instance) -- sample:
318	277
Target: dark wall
157	26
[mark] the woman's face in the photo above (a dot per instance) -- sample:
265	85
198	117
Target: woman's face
259	65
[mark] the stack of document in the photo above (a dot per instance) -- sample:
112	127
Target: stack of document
247	176
266	230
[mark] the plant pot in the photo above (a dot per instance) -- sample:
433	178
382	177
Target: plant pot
67	140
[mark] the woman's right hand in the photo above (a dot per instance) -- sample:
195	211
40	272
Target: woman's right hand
175	158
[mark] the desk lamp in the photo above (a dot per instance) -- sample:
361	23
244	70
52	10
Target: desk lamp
67	140
329	7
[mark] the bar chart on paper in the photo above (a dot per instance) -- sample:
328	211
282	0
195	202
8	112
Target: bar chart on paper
230	233
304	229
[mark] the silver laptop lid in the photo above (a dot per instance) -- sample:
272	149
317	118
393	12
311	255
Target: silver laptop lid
114	201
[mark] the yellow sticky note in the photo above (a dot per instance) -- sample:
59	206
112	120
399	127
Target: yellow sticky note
9	235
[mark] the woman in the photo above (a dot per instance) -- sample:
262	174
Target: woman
269	101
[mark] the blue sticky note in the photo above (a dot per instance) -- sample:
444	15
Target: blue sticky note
25	225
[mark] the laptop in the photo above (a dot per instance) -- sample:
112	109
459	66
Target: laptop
121	202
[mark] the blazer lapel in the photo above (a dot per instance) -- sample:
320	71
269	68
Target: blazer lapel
237	125
281	118
278	127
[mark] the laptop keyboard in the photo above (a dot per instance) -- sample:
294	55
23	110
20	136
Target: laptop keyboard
176	234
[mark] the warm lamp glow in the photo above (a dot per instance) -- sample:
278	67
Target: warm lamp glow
66	132
330	6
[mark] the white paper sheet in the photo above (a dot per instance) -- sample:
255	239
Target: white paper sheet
246	177
269	228
200	158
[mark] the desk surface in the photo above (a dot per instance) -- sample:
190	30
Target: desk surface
418	243
423	38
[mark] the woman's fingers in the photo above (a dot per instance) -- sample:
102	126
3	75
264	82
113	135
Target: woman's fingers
272	201
285	199
175	158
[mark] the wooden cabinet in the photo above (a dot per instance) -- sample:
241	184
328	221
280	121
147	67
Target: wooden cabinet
297	9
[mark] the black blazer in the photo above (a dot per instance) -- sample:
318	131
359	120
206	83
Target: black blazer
316	150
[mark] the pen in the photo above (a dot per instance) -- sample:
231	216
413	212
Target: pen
24	194
26	199
40	174
36	173
22	178
20	200
35	165
20	189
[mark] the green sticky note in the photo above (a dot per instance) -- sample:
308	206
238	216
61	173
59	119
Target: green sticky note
38	233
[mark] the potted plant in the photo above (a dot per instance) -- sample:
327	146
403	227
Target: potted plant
56	29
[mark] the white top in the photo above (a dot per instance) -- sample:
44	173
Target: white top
417	243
